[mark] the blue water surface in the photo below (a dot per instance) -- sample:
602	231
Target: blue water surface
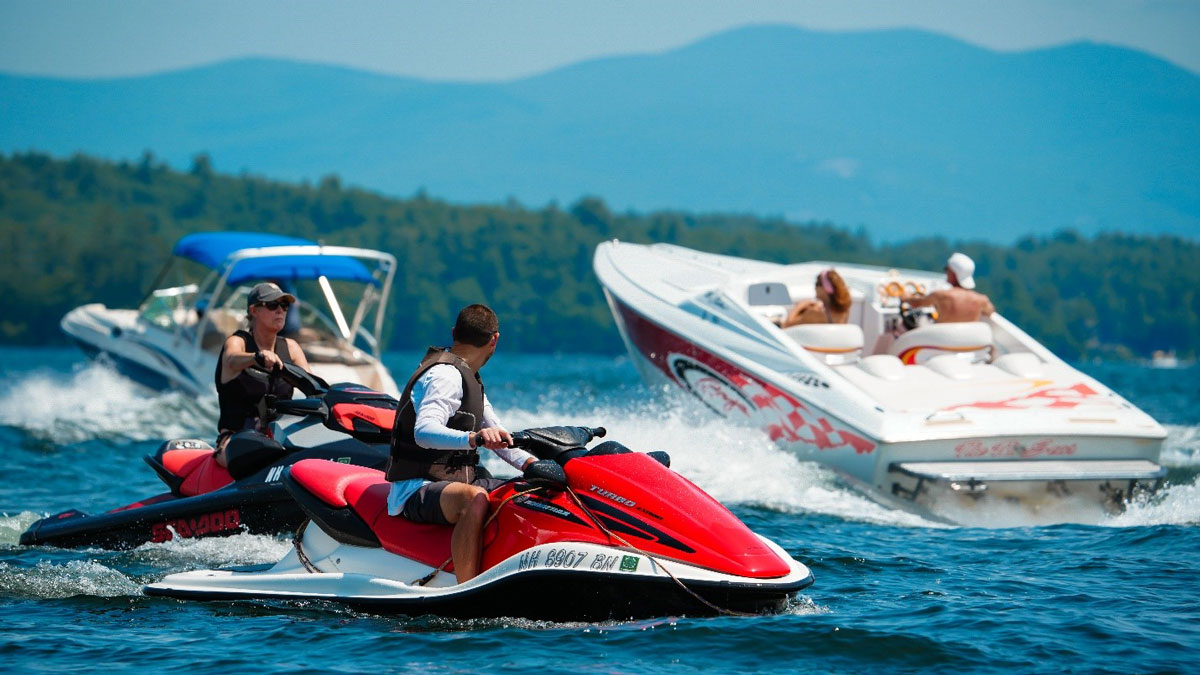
894	593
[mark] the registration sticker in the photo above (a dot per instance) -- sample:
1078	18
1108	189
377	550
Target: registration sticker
629	563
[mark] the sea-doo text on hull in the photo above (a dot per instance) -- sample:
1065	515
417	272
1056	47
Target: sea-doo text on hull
943	419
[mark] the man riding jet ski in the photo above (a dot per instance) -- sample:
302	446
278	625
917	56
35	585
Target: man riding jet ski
344	423
605	533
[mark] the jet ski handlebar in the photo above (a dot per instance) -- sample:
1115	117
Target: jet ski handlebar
270	407
555	442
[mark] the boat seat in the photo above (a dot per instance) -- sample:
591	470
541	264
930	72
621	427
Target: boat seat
768	293
835	343
970	340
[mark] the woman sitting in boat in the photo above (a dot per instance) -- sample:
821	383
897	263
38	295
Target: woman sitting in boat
240	377
832	304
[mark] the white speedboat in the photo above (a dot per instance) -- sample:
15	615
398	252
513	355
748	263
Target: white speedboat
172	340
943	419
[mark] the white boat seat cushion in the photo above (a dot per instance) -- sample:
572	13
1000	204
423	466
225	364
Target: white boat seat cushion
971	340
836	342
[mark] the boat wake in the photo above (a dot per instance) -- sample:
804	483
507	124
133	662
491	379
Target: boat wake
48	579
96	403
1182	448
11	527
106	574
186	554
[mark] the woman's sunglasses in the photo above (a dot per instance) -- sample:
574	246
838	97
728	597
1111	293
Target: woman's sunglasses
276	304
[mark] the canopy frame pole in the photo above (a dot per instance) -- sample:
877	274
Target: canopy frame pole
327	289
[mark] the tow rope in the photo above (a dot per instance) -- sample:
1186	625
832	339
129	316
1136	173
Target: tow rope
299	536
440	568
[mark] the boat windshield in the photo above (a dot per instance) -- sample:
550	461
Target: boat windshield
171	307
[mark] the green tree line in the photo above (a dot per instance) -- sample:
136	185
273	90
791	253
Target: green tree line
80	230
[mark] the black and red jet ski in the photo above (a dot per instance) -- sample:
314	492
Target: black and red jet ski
605	533
344	423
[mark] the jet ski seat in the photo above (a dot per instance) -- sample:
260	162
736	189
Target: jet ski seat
188	467
971	340
350	503
835	343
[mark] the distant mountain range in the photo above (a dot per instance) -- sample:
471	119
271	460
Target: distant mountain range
905	133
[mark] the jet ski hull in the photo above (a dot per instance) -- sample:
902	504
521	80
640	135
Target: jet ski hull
257	509
538	584
616	535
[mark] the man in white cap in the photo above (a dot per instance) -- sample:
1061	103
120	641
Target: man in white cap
959	302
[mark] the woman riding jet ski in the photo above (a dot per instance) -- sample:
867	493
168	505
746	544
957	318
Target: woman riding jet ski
207	499
583	535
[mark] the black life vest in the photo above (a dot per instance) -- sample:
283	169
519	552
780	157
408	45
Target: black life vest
409	460
239	397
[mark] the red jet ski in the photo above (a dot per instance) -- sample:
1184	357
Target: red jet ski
605	533
344	423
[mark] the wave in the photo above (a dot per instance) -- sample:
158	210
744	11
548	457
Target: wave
1173	505
180	554
11	527
1182	447
64	580
105	574
94	402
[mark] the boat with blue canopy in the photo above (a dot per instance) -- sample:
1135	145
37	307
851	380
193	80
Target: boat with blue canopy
171	341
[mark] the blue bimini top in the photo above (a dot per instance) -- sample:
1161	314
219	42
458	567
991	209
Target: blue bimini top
212	249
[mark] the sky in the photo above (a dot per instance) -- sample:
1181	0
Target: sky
502	40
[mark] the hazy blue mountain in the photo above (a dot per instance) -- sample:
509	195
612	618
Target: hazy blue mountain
904	132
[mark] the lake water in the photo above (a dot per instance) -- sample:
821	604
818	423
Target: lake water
893	592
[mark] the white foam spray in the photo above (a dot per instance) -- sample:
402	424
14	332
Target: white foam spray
54	580
1182	447
179	554
11	526
95	402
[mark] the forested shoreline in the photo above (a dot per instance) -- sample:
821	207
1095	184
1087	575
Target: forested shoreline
80	230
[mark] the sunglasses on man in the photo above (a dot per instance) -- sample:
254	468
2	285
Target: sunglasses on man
276	304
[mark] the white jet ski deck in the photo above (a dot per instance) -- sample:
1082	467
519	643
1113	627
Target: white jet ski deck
889	388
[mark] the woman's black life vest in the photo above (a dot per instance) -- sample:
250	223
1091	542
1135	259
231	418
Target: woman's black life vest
239	397
409	460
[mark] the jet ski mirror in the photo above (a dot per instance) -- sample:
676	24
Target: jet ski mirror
545	473
661	457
